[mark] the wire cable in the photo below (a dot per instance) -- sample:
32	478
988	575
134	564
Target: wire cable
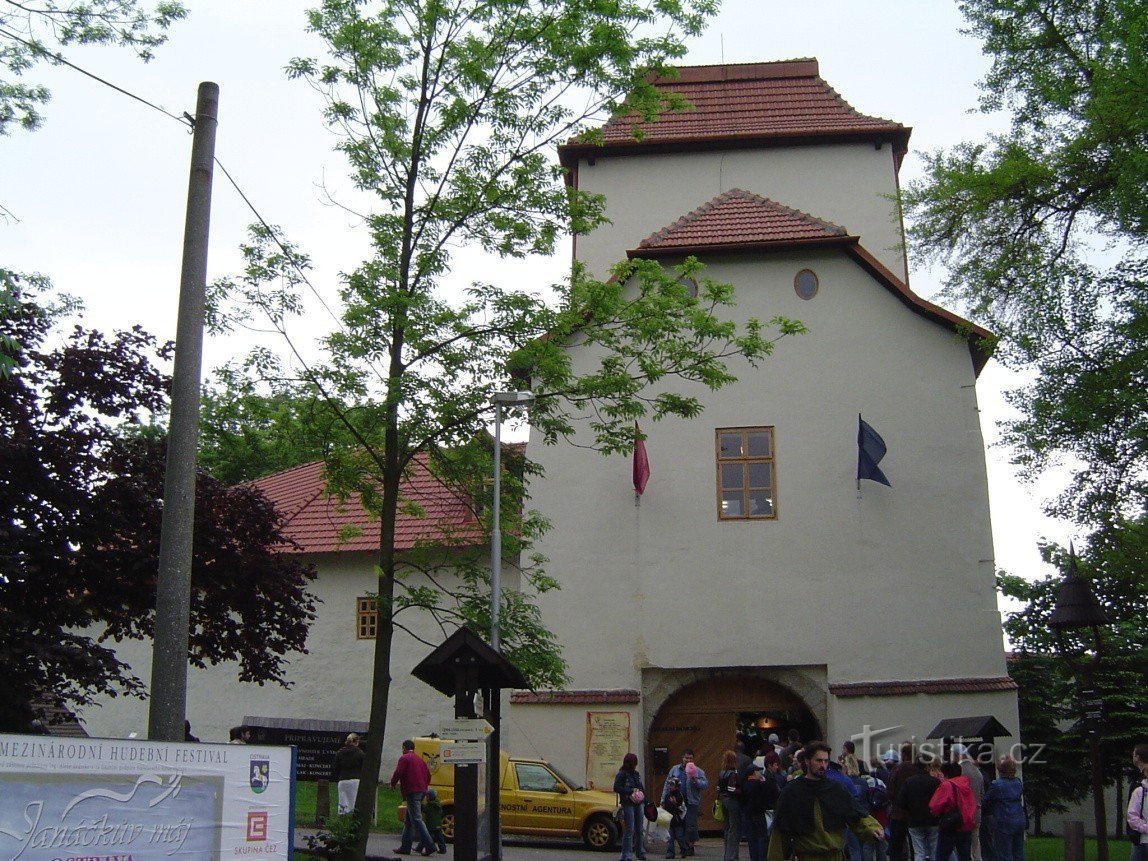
59	58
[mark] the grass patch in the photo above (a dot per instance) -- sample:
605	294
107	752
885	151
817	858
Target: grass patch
1052	849
387	802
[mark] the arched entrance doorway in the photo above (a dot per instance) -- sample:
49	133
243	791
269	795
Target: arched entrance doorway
707	715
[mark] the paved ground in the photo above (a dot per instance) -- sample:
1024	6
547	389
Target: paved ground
514	849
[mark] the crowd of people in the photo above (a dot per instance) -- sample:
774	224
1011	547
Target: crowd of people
799	801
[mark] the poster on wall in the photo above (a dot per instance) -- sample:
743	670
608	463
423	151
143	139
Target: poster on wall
98	799
607	742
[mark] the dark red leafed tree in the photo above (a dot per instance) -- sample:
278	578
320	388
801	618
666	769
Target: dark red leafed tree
81	487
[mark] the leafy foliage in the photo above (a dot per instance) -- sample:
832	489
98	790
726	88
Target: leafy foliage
247	431
27	30
1115	564
447	114
81	486
1043	230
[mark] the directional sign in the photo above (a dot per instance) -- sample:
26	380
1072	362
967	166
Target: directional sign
466	729
463	753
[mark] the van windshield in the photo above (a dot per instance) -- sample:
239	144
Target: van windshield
572	784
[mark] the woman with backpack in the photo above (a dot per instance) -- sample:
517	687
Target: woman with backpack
1004	802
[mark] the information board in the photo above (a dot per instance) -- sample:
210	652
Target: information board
91	799
607	742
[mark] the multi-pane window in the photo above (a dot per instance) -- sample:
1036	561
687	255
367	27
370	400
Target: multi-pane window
746	474
366	619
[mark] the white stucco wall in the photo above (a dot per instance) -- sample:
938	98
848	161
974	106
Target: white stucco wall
896	585
852	185
331	682
685	588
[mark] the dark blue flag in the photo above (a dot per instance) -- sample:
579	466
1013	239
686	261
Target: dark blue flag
870	450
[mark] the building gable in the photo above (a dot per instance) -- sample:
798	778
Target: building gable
740	222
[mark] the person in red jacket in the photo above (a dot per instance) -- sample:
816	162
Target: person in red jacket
413	777
954	796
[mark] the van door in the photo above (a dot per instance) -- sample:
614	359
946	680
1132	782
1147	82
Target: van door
543	803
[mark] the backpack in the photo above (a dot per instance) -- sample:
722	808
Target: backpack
877	795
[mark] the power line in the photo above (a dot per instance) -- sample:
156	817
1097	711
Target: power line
189	121
59	58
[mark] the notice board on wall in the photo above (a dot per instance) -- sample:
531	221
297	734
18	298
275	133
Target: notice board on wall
607	742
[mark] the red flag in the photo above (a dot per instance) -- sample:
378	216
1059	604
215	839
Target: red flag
641	463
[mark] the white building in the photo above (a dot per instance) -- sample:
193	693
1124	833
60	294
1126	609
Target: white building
755	586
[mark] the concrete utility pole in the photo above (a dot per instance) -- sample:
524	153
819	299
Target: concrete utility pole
168	706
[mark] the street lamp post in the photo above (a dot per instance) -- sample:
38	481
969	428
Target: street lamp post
1077	610
499	400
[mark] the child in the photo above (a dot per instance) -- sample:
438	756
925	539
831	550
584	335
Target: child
675	805
432	816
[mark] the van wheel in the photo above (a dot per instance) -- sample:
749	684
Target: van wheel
448	824
600	833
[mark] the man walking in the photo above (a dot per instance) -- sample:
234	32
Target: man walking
413	777
346	771
812	812
691	781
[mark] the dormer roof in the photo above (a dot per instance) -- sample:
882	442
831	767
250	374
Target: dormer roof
742	106
740	220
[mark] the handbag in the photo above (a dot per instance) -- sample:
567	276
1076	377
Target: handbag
718	812
650	811
950	821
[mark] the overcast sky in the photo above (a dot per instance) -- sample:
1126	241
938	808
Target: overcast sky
96	198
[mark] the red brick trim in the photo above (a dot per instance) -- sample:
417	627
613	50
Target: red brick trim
623	697
923	686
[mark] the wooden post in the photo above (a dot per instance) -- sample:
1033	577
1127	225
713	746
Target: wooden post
1073	840
322	801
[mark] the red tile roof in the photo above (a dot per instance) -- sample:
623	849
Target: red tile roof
319	524
739	218
923	686
615	697
750	104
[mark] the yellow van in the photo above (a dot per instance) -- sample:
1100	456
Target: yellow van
535	799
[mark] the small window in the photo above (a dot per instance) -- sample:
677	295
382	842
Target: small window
746	476
805	284
367	619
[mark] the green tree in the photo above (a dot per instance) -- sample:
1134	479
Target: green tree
448	115
81	488
1043	232
1114	561
29	30
1052	778
248	430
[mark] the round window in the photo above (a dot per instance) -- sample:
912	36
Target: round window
805	284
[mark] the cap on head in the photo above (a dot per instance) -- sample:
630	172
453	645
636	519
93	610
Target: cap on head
773	738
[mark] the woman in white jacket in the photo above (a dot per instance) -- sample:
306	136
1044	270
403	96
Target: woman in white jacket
1137	807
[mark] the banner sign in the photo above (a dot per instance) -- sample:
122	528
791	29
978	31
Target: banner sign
98	799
